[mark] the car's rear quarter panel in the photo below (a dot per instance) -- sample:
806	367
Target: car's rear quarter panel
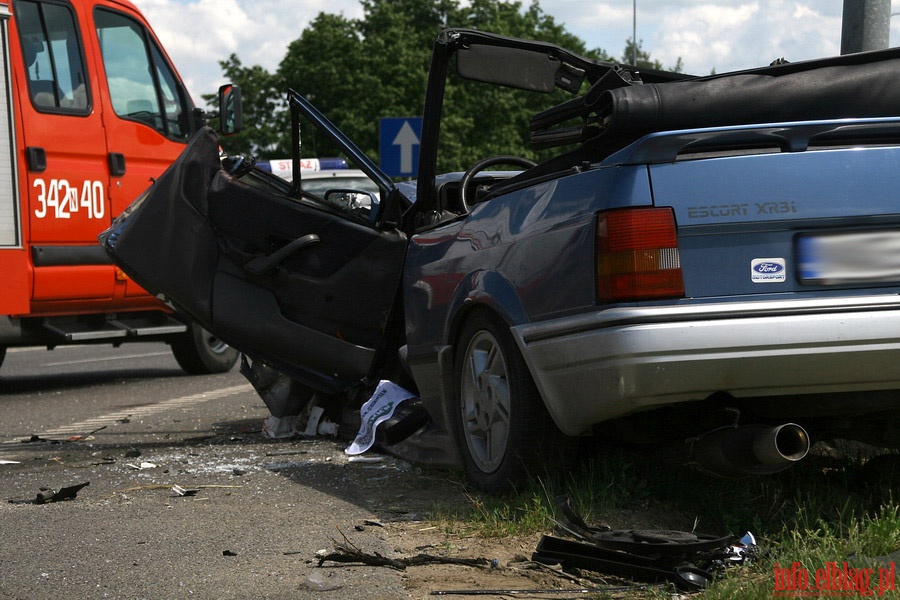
536	244
527	255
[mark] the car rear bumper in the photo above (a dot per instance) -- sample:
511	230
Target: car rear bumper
606	364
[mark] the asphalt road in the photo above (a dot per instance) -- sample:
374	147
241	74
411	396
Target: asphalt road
131	425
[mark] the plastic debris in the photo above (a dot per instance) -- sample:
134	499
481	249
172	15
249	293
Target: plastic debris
329	428
46	495
278	428
320	582
644	555
185	491
3	461
651	565
377	409
366	459
142	466
743	551
312	424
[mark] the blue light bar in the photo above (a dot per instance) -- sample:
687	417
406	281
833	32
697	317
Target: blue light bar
332	163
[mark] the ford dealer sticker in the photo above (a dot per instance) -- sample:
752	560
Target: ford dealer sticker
767	270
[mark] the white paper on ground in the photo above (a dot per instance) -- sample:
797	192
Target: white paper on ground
377	409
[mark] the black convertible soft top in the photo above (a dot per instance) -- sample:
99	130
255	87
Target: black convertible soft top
617	111
856	85
623	102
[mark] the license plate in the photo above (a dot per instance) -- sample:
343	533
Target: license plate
859	257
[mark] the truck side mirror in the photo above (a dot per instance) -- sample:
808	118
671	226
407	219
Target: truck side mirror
230	111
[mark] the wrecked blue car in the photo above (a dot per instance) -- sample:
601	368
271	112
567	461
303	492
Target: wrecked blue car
710	265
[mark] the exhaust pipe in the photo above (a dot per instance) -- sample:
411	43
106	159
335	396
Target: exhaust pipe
734	452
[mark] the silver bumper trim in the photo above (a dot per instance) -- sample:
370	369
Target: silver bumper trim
609	363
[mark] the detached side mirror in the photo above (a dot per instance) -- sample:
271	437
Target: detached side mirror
230	109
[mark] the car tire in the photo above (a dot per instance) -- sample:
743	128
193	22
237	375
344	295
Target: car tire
198	352
502	429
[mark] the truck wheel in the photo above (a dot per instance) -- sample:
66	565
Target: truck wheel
502	429
198	352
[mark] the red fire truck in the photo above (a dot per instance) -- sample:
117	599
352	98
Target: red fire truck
91	110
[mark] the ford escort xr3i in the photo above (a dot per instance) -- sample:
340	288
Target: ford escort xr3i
707	263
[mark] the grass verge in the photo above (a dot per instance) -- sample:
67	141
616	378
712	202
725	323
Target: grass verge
833	507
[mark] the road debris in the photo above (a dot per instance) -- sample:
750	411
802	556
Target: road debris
87	436
286	453
47	495
377	409
105	461
185	491
36	438
642	555
278	428
168	486
312	423
347	552
556	591
366	459
319	582
142	466
75	438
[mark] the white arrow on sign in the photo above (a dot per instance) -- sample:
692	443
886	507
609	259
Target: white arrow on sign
406	138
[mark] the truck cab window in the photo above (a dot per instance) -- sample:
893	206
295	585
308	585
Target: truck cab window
53	56
142	85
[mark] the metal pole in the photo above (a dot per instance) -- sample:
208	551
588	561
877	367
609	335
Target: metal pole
634	32
866	25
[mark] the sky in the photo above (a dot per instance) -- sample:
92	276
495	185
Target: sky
708	35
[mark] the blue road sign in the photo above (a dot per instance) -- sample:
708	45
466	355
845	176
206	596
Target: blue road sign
398	145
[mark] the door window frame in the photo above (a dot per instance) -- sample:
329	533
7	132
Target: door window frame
41	53
160	81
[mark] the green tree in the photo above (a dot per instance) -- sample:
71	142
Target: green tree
323	65
357	71
635	54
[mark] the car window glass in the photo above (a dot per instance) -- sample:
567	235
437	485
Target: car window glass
323	165
319	185
142	85
53	56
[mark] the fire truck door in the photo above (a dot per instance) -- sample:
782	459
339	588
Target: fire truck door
147	112
62	154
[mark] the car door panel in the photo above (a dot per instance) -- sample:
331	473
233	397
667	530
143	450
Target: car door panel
317	310
340	284
247	314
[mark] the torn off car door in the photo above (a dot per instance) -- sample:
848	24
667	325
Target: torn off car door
279	274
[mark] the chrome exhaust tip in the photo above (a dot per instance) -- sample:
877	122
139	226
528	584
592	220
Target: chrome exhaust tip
733	452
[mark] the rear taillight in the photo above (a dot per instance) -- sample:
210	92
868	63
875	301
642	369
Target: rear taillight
637	255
